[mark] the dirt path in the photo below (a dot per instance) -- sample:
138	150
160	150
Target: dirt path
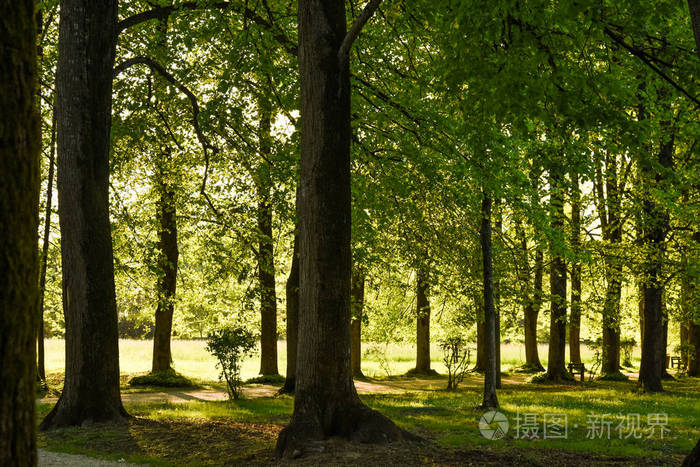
51	459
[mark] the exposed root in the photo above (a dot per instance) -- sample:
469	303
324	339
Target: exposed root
358	423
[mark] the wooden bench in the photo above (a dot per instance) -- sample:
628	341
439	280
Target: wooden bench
578	369
676	362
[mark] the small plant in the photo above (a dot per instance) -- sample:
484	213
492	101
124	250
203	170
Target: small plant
230	346
379	352
457	358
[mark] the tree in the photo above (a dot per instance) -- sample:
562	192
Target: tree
168	254
357	302
84	85
422	323
292	296
490	375
655	228
556	369
575	318
19	208
325	400
265	253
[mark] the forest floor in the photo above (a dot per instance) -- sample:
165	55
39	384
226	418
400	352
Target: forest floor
200	427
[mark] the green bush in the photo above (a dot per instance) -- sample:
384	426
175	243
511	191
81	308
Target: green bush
231	345
266	379
167	378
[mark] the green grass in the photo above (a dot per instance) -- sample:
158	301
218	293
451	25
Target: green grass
204	433
191	359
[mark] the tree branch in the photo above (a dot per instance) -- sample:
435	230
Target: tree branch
248	14
640	55
354	32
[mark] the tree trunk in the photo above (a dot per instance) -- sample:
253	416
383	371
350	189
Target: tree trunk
292	295
422	323
497	291
533	305
87	36
575	321
41	366
556	368
656	224
694	342
168	255
491	374
609	207
19	262
266	255
357	297
325	401
480	364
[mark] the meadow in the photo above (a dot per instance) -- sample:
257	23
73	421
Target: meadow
598	417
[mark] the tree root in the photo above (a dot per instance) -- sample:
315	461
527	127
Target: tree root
358	423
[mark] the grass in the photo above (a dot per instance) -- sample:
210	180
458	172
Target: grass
214	433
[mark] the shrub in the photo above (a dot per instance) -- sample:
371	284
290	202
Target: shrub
457	357
167	378
230	346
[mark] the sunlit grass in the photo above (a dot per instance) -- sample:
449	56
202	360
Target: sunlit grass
192	360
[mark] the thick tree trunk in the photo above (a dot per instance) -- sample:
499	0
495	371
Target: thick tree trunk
575	318
357	297
266	256
87	36
491	374
41	366
556	367
325	401
656	224
422	323
168	255
19	207
292	295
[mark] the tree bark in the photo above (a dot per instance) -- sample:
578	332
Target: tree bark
556	368
357	297
656	223
575	318
87	35
168	254
19	207
292	295
491	374
266	256
325	401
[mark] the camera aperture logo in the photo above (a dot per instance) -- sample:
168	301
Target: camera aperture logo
493	425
